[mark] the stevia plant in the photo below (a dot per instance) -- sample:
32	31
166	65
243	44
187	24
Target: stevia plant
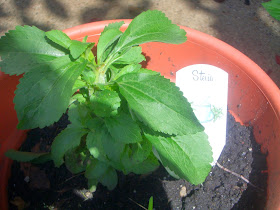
123	117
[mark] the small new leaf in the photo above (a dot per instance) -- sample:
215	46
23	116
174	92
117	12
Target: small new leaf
106	39
78	48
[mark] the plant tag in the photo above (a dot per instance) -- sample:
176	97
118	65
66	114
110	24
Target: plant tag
206	88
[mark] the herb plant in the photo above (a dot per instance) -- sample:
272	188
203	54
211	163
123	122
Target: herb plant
123	117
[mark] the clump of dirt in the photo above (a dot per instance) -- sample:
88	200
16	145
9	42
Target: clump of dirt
46	187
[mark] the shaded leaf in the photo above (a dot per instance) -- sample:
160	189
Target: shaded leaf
123	128
68	139
188	156
44	95
28	156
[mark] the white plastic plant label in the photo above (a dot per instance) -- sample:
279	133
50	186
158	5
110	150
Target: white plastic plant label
206	88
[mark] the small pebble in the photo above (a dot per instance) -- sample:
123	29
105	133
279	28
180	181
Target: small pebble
183	192
27	179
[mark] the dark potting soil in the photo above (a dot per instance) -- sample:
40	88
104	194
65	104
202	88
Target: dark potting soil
46	187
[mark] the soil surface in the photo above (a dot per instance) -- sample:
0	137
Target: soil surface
46	187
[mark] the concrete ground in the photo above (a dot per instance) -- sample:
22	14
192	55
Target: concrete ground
248	28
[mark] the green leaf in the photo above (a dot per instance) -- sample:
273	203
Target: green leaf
68	139
128	69
132	56
141	150
273	7
89	76
94	144
28	156
151	203
26	48
92	184
44	95
79	83
59	38
123	128
102	172
158	103
113	150
77	48
188	156
78	98
110	179
151	26
107	38
115	25
105	103
131	165
78	115
76	160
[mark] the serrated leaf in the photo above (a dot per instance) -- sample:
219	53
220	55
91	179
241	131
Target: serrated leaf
89	76
105	103
76	160
123	128
96	169
128	69
95	145
188	156
26	48
44	95
132	56
79	83
102	172
158	103
78	98
68	139
273	8
78	115
59	38
28	156
107	38
115	25
77	48
110	178
113	150
131	165
141	150
150	26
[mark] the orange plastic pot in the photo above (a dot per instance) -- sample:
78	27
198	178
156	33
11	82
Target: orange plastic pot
253	97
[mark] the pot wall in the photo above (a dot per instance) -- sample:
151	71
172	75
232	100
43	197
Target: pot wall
253	97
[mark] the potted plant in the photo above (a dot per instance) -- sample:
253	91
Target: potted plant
200	49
